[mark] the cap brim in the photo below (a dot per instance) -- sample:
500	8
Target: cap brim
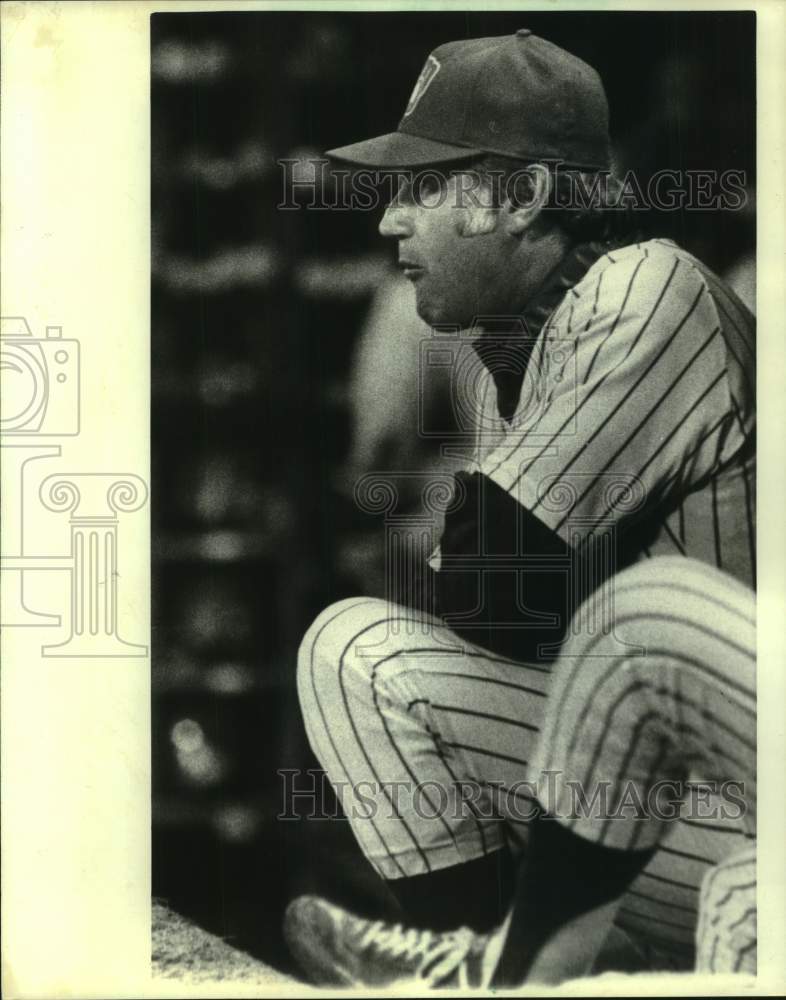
400	149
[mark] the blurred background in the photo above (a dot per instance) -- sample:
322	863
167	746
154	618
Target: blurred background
284	366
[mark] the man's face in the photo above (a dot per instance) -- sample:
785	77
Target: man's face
451	251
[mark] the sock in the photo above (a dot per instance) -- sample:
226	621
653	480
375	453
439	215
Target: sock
561	877
476	894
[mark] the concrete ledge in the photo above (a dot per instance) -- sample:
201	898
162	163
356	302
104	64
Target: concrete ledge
185	953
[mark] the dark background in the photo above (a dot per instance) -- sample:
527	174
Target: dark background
256	314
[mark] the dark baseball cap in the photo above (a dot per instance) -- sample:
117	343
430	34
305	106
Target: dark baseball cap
513	95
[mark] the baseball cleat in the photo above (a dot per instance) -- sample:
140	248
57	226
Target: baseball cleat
335	948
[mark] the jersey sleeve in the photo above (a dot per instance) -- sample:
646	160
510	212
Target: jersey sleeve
628	402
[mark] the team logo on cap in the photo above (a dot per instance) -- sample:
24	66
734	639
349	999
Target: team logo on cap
427	74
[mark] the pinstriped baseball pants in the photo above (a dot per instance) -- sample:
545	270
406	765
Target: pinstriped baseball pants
630	727
431	742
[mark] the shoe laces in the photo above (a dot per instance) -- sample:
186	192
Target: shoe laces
436	955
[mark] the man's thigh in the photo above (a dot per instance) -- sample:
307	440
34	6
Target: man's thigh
435	732
437	735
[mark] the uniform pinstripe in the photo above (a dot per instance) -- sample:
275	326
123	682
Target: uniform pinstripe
637	409
619	724
645	376
387	703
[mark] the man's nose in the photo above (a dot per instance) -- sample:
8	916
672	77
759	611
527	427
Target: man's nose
397	220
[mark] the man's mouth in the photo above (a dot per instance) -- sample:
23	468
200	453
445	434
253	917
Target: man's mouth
410	268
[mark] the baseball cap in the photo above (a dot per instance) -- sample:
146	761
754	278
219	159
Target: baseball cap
514	95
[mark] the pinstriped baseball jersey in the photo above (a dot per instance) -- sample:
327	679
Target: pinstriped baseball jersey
637	409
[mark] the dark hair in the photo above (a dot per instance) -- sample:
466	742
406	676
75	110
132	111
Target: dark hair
584	204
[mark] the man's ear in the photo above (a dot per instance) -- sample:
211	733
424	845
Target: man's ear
527	197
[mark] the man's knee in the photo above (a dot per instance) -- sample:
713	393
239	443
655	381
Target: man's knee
642	606
346	643
323	682
667	584
334	630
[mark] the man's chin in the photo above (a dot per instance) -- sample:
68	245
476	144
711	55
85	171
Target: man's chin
434	315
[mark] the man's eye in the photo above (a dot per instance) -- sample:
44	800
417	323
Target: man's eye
427	189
